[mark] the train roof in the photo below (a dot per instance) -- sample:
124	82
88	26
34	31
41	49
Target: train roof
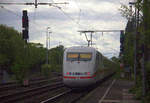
80	48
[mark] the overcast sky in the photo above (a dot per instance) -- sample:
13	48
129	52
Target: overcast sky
66	21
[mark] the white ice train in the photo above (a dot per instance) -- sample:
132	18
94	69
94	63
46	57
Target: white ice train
84	66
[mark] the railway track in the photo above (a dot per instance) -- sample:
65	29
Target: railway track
68	96
11	83
54	98
15	86
57	94
31	80
74	95
25	94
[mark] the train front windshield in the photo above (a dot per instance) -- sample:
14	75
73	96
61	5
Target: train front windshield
79	56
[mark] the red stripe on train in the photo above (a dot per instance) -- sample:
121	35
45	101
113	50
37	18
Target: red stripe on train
70	77
86	77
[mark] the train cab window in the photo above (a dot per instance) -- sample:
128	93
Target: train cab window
72	56
79	56
85	56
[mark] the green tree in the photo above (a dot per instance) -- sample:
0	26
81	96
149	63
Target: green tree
56	57
143	41
20	58
16	56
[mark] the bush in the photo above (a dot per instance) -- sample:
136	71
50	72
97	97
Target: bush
20	72
58	68
46	70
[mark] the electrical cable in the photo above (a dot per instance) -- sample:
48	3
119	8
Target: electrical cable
19	17
72	19
8	10
79	15
66	14
78	19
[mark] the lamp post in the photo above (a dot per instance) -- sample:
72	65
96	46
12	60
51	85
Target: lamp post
47	45
135	42
60	43
142	59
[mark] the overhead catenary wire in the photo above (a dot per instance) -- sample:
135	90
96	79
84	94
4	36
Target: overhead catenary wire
20	17
55	5
79	10
77	22
72	19
10	11
36	25
66	14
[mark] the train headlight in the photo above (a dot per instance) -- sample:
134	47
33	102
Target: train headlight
67	73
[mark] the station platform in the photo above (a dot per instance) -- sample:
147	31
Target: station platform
112	91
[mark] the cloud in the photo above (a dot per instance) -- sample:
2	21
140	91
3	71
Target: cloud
65	23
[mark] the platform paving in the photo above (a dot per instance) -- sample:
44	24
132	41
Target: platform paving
109	92
119	93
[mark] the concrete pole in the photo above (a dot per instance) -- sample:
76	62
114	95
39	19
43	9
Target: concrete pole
135	61
47	47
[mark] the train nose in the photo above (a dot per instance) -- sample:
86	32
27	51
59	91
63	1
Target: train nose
78	81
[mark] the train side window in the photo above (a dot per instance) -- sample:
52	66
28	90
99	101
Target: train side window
79	56
85	56
72	56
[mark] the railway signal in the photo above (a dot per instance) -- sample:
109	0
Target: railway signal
25	25
25	19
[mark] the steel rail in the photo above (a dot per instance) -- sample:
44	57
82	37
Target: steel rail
13	85
13	97
56	97
79	95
